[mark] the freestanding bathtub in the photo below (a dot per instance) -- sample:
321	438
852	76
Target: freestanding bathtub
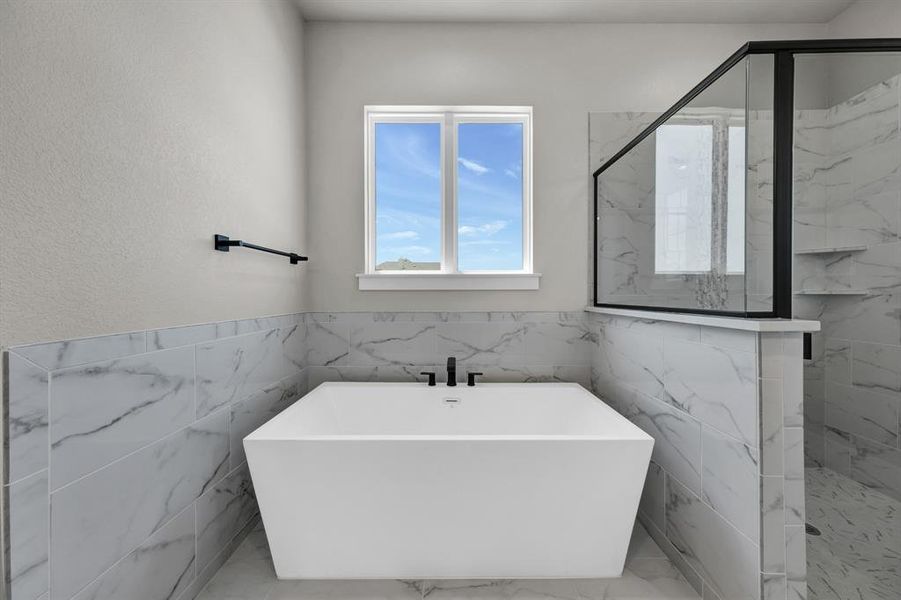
406	481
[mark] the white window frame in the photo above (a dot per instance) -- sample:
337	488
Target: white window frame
448	277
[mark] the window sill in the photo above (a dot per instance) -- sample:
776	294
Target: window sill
447	281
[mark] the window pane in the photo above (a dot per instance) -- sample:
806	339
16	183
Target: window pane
735	202
408	196
684	177
489	196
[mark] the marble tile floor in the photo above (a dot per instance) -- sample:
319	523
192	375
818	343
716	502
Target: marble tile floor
858	555
649	575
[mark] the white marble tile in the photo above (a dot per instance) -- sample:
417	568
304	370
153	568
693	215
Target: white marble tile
871	318
222	511
502	343
27	418
771	355
795	554
100	518
344	590
771	427
729	480
238	567
837	450
233	368
248	414
726	559
772	586
318	375
876	367
59	355
877	466
792	380
772	524
733	339
714	385
565	342
863	413
327	343
675	556
878	268
27	537
188	335
103	411
677	436
653	497
160	568
392	343
838	360
633	358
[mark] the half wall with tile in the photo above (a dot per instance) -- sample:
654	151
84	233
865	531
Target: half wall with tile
724	495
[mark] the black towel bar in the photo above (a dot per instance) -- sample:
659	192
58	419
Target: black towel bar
222	243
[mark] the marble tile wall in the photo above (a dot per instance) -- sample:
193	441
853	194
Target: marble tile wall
848	193
125	474
724	495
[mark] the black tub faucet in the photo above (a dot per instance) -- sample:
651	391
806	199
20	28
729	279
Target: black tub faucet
451	371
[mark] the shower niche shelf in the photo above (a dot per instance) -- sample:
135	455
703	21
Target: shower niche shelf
832	250
848	292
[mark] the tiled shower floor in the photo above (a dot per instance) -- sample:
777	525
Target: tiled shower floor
858	555
248	575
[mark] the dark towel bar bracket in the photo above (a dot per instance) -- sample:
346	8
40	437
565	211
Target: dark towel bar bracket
222	243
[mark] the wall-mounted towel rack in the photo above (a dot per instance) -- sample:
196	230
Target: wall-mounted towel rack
222	243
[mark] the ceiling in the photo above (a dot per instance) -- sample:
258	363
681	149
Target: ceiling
576	11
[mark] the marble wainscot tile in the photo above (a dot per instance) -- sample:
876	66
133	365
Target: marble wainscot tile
188	335
293	338
59	355
29	514
794	475
391	343
772	586
877	466
732	339
716	385
501	343
677	436
726	559
256	580
837	450
772	525
653	499
863	413
729	480
100	518
796	560
221	513
161	567
26	418
771	355
248	572
248	414
103	411
772	446
517	374
327	342
792	380
566	342
632	359
318	375
876	367
233	368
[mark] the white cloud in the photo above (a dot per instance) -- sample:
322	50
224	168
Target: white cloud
400	235
408	251
486	229
477	168
511	173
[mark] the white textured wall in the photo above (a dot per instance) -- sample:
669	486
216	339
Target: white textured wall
564	71
131	132
867	19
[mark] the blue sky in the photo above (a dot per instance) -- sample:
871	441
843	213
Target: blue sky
489	194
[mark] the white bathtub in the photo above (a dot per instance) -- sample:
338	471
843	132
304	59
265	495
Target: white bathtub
405	481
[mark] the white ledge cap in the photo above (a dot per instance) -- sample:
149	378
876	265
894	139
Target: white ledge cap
761	325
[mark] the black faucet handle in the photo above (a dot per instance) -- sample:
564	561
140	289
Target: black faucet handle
471	378
431	375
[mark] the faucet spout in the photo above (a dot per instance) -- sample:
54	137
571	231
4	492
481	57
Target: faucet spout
451	371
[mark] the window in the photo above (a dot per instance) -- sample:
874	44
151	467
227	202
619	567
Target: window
448	198
697	198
